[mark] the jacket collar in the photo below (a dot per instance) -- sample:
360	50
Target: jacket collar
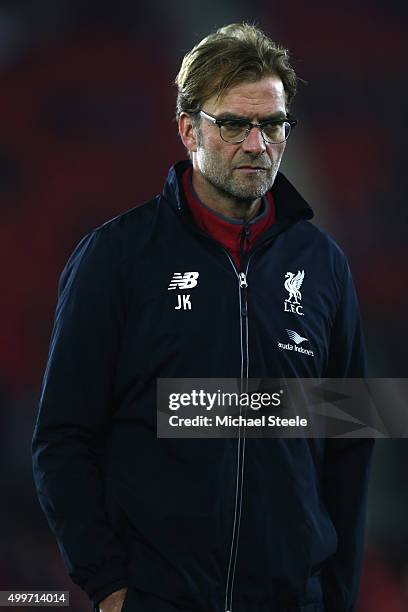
290	205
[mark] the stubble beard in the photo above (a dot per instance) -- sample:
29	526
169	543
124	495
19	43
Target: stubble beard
234	184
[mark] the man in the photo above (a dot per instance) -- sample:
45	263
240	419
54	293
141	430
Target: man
195	284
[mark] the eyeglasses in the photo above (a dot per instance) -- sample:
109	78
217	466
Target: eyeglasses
234	131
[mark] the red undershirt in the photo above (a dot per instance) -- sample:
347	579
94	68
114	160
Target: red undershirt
227	231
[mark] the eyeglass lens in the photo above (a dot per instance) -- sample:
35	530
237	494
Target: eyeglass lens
273	132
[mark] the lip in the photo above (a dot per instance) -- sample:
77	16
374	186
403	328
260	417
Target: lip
250	169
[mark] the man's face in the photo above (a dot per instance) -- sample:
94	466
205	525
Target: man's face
226	167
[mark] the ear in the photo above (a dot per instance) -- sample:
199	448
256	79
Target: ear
187	132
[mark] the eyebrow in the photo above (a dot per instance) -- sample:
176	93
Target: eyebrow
280	115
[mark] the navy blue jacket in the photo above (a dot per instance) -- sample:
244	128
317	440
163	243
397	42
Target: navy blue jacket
205	524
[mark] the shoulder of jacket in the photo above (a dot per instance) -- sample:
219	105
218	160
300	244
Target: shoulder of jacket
130	220
126	232
108	243
324	239
328	253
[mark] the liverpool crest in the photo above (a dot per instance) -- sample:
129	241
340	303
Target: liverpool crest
292	285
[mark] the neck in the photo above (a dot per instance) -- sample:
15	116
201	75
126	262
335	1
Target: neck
222	202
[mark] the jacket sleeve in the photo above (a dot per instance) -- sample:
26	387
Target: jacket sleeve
73	417
347	463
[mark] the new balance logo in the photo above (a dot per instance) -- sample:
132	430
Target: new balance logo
188	280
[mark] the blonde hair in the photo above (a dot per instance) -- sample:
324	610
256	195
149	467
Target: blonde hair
234	54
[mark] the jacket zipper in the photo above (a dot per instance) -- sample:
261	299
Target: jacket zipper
243	311
243	285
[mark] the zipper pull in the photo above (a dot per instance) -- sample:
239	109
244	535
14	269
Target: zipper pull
242	280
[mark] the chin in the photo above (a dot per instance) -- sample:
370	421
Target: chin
245	196
252	194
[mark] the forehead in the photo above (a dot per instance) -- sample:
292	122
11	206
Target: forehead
251	99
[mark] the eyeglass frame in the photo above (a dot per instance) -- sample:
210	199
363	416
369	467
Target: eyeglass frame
249	126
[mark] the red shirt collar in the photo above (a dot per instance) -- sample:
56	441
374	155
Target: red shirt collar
225	230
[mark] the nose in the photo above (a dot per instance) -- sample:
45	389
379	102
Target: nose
254	142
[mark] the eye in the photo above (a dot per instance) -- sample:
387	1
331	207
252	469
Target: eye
233	128
273	129
234	124
271	125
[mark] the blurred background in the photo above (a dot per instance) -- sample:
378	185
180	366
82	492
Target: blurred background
87	132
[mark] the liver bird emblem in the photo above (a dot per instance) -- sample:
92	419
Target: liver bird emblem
293	284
